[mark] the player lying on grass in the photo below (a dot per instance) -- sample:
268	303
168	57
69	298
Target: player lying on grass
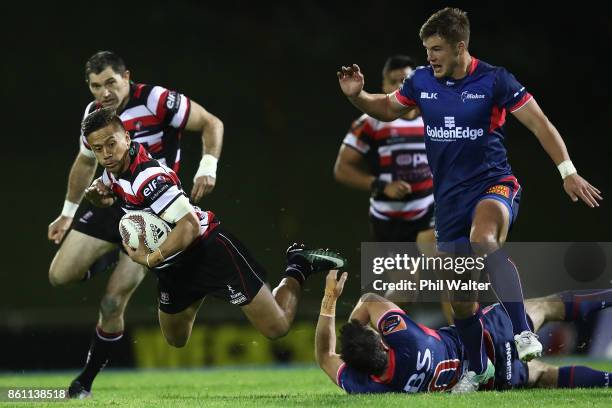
199	257
384	350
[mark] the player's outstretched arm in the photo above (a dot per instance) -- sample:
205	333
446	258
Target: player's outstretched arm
80	177
211	127
575	186
380	106
325	336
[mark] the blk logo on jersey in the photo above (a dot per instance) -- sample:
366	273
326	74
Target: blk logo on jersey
429	95
451	133
469	96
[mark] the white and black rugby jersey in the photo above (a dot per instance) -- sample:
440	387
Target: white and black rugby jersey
148	185
155	118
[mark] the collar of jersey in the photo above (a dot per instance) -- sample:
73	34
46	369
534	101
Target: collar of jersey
389	372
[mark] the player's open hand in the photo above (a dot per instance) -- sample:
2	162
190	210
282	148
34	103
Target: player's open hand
99	194
57	229
397	189
333	285
201	187
351	80
138	255
577	187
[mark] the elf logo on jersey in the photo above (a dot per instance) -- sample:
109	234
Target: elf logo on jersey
451	132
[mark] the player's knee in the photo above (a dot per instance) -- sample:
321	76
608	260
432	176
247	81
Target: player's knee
178	342
112	305
57	276
276	330
463	309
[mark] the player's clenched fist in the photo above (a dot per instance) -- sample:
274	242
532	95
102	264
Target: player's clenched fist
351	80
99	194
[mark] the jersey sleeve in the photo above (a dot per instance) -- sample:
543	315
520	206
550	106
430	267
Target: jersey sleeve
84	147
359	136
157	189
406	95
394	328
509	94
171	107
356	382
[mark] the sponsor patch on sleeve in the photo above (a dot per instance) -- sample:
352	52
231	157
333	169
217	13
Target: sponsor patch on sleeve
499	189
173	101
393	324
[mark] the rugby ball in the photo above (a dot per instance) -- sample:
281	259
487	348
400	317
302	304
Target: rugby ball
151	227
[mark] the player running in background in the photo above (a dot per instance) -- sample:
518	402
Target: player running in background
156	117
383	350
464	102
199	257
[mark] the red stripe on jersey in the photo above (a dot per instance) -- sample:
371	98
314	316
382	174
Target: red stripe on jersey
385	161
143	121
162	110
138	90
399	131
141	157
473	65
429	332
390	370
125	196
367	128
403	100
155	147
498	118
422	185
526	98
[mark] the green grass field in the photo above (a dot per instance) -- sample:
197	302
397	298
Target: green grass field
277	387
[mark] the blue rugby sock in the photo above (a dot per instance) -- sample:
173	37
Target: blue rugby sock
506	283
471	333
580	304
582	377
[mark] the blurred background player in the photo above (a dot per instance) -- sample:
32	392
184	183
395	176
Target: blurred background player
464	103
199	256
156	117
384	350
389	160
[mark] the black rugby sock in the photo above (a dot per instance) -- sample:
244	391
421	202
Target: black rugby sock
102	347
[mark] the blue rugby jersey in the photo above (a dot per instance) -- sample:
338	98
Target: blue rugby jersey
464	121
420	359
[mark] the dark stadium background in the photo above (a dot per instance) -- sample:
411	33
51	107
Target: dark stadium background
269	73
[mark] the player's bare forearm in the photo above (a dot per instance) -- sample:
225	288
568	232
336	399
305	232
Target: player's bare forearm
379	106
325	338
210	127
182	235
80	177
349	172
212	137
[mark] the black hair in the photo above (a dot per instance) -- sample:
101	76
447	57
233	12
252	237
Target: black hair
362	349
101	60
98	119
398	62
